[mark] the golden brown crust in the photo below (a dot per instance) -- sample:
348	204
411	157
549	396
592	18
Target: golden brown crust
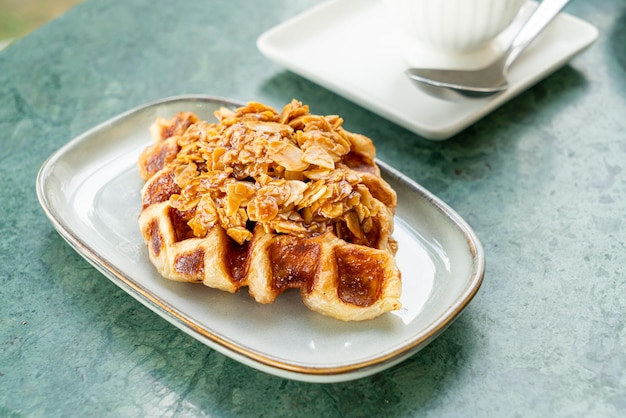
272	201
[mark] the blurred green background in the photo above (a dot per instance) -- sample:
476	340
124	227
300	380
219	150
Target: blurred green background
20	17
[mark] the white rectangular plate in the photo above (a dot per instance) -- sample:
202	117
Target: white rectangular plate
349	47
90	191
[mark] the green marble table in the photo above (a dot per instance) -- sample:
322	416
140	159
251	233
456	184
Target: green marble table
541	180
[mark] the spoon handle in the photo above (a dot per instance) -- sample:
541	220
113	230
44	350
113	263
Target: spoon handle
536	23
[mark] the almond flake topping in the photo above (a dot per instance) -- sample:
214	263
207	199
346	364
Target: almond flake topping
291	172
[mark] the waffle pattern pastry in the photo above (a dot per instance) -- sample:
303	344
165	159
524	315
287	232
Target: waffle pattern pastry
271	201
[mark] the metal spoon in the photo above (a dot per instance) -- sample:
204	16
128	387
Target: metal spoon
493	78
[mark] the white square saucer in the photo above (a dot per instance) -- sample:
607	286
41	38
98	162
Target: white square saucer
349	47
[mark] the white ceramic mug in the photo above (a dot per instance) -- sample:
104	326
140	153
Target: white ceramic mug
453	26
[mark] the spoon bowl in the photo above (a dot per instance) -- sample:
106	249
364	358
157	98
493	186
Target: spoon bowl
450	84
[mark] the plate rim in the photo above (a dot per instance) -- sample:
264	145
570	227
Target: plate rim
293	370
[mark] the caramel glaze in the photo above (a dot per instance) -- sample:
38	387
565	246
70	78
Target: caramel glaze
162	153
360	277
294	262
359	162
160	189
238	259
358	274
166	147
369	239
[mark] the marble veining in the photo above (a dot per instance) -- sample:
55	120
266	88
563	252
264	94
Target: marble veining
541	180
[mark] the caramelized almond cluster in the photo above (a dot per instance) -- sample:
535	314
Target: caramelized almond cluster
291	172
